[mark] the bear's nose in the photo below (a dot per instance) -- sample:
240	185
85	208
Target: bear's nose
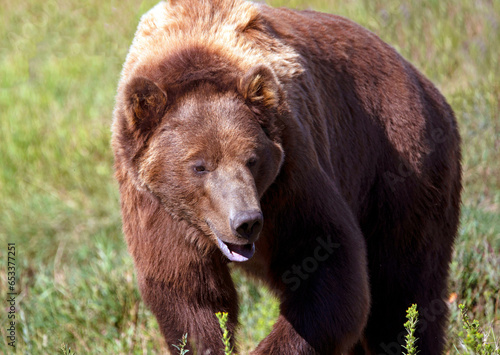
247	224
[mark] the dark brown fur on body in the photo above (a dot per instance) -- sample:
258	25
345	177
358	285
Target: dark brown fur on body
349	153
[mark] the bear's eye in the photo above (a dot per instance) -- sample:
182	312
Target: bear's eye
200	167
251	162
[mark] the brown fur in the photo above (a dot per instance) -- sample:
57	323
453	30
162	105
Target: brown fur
350	154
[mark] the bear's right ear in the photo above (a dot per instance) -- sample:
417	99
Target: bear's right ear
260	87
145	104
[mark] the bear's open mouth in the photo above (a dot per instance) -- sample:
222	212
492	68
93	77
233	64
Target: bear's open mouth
236	252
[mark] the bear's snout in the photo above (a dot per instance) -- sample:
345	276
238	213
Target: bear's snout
247	224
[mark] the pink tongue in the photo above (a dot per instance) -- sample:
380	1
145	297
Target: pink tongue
236	252
246	251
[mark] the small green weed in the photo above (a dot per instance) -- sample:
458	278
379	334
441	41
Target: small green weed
66	350
222	317
182	345
410	325
474	340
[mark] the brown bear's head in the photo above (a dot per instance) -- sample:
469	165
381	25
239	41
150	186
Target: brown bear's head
208	147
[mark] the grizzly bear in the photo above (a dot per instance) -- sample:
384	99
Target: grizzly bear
300	147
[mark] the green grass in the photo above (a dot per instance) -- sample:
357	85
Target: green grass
59	66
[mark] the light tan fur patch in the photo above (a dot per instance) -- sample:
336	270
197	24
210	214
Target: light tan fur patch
171	26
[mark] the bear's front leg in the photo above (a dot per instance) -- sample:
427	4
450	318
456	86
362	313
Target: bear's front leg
181	278
188	306
324	293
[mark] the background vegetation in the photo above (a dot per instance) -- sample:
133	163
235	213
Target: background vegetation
59	66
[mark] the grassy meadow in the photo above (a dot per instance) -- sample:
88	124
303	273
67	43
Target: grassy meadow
59	66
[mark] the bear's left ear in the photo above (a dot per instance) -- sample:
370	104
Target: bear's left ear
146	104
260	87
